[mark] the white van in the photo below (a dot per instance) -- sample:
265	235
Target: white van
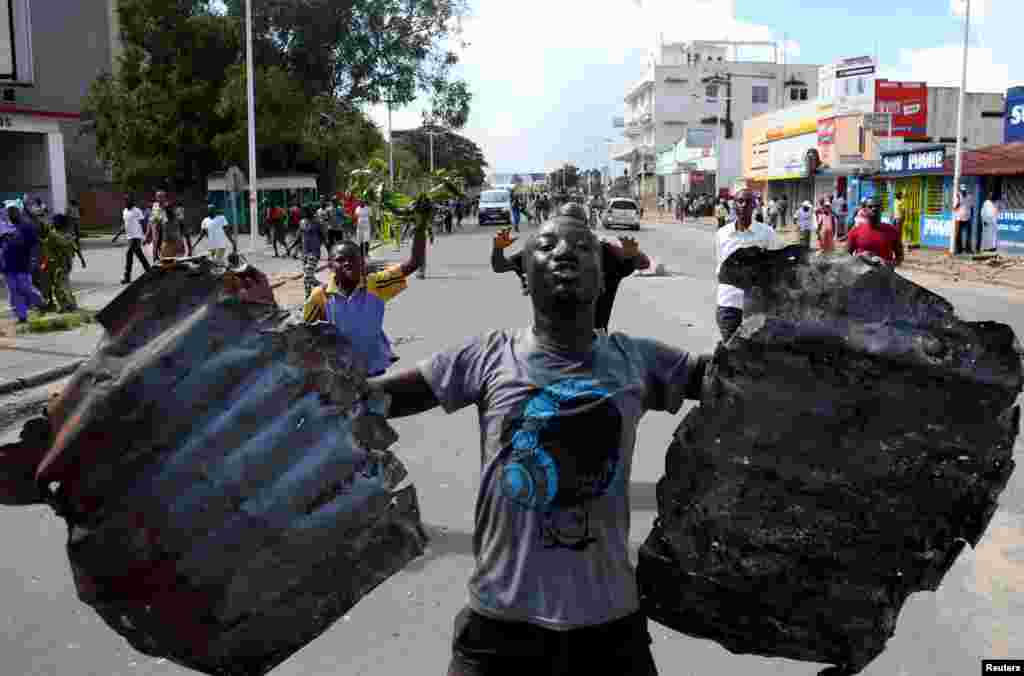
495	207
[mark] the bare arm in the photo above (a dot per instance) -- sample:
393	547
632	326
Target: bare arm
409	391
499	263
419	253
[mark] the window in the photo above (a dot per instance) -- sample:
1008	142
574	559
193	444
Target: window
711	91
794	94
803	93
15	45
759	94
8	66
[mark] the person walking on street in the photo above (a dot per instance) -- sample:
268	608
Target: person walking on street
515	211
899	216
314	237
364	230
132	223
783	205
839	209
20	239
962	213
876	237
743	232
805	223
355	301
554	589
721	213
990	223
214	227
826	226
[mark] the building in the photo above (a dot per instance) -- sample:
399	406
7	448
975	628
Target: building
688	93
50	53
839	144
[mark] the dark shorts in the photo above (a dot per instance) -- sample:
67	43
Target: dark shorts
486	647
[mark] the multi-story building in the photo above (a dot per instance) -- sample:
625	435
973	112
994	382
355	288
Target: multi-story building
690	92
50	53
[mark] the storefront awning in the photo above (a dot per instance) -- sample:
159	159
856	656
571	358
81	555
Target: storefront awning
1000	160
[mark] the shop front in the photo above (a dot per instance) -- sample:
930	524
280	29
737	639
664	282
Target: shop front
907	172
32	145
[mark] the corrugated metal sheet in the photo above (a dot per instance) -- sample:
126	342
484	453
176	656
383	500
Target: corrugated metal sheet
1000	160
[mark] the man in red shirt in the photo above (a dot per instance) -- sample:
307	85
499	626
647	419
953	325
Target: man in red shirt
875	237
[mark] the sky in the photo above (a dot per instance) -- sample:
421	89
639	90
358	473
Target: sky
547	76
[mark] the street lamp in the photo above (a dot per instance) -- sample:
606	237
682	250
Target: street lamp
958	164
251	95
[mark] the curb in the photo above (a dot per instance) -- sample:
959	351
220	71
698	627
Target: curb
41	378
948	277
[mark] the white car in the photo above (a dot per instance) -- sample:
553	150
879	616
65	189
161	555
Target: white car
622	213
495	207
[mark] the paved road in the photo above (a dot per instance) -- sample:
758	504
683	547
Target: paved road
404	627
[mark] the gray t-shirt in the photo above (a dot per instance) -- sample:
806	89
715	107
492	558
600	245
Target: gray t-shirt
557	438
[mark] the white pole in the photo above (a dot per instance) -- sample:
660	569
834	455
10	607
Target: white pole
250	77
960	124
431	151
391	152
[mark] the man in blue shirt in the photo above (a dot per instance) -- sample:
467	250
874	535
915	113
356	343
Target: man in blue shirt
19	242
354	301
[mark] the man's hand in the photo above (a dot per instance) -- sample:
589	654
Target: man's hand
630	247
504	239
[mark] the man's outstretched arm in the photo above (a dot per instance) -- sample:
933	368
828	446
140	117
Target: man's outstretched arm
409	391
502	240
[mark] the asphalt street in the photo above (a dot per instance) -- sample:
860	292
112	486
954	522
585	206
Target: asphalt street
405	626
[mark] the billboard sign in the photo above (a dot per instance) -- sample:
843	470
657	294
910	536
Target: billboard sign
876	122
908	104
787	157
854	86
1014	115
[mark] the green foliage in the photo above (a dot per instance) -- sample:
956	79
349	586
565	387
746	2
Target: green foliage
452	152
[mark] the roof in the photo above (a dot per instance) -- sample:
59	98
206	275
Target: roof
1001	160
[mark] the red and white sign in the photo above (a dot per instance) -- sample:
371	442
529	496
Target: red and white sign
908	103
826	131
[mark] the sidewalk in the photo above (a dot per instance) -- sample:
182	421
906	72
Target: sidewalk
995	269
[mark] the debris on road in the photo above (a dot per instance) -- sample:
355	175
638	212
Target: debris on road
224	475
853	436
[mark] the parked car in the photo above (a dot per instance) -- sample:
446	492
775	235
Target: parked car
495	207
622	213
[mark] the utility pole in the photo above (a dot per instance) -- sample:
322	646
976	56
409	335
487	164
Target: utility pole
958	164
251	95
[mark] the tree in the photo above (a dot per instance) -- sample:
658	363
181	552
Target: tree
451	152
156	121
365	52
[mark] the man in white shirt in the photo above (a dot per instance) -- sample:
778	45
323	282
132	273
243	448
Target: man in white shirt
214	228
363	233
133	216
805	221
741	233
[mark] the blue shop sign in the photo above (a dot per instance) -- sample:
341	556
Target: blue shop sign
1014	115
1011	232
930	160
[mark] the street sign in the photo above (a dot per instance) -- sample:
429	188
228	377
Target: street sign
234	179
876	121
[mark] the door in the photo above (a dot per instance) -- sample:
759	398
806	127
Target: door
913	204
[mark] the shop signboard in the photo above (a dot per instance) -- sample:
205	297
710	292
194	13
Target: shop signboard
1011	232
854	86
787	157
699	137
1014	115
908	104
937	230
931	160
826	132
